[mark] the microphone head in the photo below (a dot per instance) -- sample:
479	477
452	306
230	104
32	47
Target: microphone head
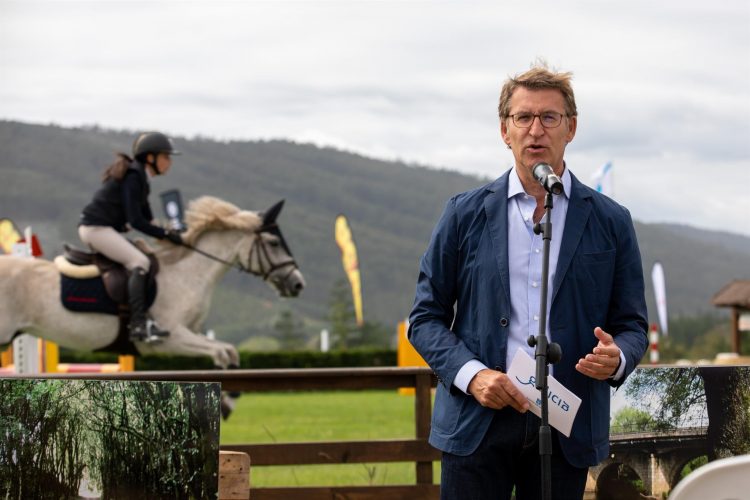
541	171
544	174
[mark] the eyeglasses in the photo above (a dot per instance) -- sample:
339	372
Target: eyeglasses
548	119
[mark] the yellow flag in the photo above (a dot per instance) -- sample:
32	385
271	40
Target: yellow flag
345	241
8	235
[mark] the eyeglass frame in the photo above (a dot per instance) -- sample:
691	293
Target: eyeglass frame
538	115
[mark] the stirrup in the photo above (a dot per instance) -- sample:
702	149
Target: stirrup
150	333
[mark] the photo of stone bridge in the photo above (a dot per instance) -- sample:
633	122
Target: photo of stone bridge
668	420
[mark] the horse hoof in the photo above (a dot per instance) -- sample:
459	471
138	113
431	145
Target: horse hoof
227	406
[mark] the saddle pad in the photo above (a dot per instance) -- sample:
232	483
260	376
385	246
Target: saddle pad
90	295
86	295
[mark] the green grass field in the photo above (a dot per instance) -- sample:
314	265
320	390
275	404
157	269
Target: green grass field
324	416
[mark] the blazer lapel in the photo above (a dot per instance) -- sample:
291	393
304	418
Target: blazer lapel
496	211
575	221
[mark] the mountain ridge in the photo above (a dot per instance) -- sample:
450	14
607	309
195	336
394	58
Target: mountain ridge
49	172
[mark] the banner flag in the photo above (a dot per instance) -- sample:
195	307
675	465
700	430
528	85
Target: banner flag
602	180
660	294
9	235
345	241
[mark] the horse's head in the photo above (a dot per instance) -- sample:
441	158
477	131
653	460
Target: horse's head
271	258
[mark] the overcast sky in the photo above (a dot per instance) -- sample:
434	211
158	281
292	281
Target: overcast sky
663	87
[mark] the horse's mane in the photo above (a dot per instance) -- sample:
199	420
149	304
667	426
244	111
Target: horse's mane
209	213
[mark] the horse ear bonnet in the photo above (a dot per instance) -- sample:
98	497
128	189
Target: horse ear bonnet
270	215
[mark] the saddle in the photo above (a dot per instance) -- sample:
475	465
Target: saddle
90	282
77	264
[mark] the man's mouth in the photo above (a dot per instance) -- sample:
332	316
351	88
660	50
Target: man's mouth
535	148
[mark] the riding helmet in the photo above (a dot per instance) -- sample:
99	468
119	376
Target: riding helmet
154	143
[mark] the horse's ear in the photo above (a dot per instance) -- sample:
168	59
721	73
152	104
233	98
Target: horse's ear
269	216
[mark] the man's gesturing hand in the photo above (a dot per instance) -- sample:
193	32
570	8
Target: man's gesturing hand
494	389
604	361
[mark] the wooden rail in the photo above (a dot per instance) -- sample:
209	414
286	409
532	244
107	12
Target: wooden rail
339	452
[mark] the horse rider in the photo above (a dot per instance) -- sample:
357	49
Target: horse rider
121	203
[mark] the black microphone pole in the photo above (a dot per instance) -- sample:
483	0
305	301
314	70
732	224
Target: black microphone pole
546	353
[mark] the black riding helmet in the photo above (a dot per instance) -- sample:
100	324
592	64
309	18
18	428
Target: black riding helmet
154	143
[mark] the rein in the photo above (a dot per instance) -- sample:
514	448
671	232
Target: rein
217	259
264	273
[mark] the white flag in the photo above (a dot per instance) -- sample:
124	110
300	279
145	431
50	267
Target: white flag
602	180
660	293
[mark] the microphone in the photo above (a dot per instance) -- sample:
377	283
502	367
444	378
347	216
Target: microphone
544	174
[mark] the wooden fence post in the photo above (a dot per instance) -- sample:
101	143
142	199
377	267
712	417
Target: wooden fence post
422	416
234	475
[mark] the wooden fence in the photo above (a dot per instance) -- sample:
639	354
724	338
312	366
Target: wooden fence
415	450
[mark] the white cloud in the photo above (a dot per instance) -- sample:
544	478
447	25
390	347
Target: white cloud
661	87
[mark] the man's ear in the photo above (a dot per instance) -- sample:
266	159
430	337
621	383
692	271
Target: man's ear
572	126
504	132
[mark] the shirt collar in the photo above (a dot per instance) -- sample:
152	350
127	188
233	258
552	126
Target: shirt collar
515	187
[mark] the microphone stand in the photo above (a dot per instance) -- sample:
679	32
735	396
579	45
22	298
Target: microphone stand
546	353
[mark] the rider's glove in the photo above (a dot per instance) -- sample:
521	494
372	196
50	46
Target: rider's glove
173	236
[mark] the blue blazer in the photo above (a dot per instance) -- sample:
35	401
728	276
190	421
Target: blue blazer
462	309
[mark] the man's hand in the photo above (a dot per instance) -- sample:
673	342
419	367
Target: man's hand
604	361
494	389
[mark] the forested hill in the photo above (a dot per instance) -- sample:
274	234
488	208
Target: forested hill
49	173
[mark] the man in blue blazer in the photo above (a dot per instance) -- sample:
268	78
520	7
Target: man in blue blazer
478	300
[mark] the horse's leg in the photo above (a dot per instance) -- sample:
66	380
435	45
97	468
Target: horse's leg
182	341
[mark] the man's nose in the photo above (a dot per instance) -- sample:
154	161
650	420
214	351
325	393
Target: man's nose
536	129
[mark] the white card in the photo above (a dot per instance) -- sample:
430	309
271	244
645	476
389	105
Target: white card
562	404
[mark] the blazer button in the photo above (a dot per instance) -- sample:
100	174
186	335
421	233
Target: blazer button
504	322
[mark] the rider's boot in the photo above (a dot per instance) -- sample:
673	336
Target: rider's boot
141	327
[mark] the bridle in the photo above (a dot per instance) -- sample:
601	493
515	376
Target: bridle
258	251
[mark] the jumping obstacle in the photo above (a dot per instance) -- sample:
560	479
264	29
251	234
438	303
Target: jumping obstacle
406	354
29	355
6	361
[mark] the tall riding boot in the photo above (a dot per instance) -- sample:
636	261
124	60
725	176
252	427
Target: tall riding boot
141	328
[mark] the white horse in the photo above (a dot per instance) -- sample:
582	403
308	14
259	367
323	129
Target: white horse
219	235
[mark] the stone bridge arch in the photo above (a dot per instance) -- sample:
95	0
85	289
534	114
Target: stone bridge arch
659	471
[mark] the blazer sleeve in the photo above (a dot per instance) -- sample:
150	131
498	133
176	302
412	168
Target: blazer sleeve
433	312
627	318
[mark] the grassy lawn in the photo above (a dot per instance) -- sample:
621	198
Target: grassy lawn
324	416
